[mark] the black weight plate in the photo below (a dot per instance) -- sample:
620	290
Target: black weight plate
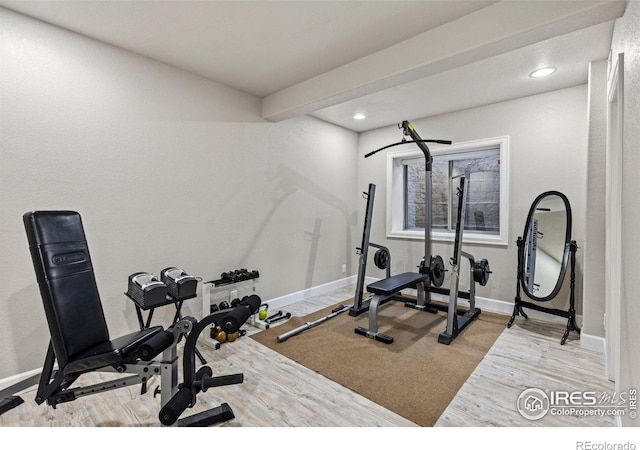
436	271
481	272
381	259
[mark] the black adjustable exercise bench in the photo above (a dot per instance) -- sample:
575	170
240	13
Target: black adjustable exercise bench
386	290
80	341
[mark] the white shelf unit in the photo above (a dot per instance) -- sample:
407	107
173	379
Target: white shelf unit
214	295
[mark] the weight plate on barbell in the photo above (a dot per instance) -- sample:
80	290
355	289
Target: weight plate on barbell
436	270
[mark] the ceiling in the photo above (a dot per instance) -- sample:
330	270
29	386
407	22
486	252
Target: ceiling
391	60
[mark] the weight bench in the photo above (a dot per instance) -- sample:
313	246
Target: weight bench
385	290
80	341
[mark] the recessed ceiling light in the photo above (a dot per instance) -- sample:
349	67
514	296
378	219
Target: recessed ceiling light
359	116
538	73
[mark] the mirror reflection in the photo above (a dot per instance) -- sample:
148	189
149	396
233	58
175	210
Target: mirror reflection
546	241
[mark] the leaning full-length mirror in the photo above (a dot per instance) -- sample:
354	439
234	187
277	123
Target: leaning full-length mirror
545	251
546	246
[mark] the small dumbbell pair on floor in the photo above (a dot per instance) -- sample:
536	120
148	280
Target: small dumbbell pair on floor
222	337
277	317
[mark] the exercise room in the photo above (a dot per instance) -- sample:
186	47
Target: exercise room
285	216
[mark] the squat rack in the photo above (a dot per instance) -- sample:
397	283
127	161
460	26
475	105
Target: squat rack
434	268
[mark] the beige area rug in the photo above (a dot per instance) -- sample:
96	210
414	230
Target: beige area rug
415	376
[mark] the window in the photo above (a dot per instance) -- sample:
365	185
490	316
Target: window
484	164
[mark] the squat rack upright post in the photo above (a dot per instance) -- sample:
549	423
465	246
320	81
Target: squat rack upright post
408	130
361	305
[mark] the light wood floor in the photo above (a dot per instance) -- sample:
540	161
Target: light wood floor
278	392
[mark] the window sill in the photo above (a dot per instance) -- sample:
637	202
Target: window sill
439	236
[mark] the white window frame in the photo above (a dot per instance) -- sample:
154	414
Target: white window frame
396	195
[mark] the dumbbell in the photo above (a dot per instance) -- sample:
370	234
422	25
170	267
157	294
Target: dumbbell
233	336
230	276
254	274
221	336
241	274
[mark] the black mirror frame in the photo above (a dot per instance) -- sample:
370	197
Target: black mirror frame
567	247
570	249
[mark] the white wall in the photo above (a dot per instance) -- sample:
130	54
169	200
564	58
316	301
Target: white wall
166	169
548	146
626	39
593	248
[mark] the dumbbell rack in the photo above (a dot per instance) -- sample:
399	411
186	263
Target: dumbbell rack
218	291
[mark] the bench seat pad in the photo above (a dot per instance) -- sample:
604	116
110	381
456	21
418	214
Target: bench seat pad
120	350
396	283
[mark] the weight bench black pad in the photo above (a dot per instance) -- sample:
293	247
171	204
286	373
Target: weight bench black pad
72	305
396	283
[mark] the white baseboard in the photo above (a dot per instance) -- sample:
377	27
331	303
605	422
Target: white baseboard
13	380
305	294
593	343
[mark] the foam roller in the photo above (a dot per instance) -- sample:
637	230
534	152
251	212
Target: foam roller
176	406
155	345
252	302
235	319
